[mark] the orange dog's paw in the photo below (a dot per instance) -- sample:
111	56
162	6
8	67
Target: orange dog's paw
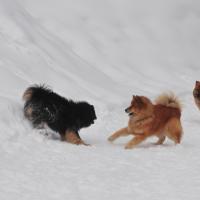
129	146
89	145
111	138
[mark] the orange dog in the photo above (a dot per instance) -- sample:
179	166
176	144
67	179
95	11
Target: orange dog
147	119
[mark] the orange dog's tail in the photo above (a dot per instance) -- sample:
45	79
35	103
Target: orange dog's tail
170	100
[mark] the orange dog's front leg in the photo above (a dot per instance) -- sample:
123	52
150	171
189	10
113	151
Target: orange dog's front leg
119	133
135	141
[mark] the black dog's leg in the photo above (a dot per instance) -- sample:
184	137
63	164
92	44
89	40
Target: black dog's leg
72	137
77	134
81	139
62	136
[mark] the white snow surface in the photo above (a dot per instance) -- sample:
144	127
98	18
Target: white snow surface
101	51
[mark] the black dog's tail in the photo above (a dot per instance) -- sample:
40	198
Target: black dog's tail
35	90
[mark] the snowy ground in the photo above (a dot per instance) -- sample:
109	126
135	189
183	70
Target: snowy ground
102	51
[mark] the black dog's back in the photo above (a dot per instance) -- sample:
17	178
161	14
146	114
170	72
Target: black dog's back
41	93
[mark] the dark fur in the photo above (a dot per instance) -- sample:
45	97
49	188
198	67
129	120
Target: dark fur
196	94
43	106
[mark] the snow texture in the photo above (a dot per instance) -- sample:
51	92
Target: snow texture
102	51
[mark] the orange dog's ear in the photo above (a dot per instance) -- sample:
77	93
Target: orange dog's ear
140	103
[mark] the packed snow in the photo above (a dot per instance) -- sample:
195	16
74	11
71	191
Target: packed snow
101	51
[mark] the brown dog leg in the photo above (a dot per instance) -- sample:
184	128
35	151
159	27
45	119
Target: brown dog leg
73	138
175	130
135	141
121	132
160	140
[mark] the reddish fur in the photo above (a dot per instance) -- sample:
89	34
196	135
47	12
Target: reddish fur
162	115
149	119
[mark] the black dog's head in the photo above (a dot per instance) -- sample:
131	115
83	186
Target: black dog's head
87	114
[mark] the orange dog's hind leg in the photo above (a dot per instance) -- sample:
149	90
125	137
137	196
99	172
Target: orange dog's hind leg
135	141
119	133
160	140
175	131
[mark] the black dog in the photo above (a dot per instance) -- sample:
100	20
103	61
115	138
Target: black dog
43	106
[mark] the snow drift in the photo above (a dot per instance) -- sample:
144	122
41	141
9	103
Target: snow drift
103	52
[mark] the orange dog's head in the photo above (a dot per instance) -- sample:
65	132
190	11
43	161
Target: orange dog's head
139	104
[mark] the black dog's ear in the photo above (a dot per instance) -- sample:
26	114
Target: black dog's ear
92	106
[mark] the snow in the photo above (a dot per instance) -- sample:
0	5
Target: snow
103	52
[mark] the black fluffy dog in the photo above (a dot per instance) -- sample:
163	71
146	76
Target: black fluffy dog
43	106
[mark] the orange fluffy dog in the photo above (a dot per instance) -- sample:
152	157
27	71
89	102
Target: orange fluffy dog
161	119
